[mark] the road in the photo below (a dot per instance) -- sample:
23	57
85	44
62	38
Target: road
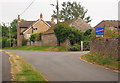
6	67
65	66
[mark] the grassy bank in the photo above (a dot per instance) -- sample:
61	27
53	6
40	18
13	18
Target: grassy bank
100	59
39	48
22	71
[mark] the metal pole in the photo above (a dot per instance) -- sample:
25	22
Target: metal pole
57	11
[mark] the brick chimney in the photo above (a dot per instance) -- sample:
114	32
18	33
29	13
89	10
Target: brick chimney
41	16
19	41
52	20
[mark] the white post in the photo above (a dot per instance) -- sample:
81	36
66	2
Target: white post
81	45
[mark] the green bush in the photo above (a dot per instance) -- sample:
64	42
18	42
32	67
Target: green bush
14	41
38	36
88	32
111	33
5	42
75	47
32	37
93	35
24	41
64	31
35	37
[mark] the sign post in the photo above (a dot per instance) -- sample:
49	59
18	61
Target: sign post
99	32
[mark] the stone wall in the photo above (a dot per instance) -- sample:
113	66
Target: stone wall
66	44
49	40
108	47
36	43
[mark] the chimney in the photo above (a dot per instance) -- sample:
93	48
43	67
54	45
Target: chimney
41	16
52	20
19	18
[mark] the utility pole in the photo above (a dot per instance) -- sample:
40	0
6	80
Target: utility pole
9	33
57	11
57	7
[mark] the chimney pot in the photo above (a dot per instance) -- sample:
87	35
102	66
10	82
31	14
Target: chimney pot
52	19
18	17
41	16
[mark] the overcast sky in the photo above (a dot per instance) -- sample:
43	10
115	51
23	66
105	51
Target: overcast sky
98	9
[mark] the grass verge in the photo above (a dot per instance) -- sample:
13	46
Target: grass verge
101	60
39	48
22	71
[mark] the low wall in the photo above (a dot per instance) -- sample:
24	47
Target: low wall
108	47
36	43
49	40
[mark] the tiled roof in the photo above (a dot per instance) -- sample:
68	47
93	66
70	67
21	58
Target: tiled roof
77	22
115	22
111	23
26	24
50	23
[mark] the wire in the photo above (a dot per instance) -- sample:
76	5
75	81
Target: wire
27	7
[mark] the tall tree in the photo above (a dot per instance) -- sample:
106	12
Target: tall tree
13	26
72	10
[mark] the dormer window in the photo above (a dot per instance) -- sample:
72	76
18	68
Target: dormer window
34	28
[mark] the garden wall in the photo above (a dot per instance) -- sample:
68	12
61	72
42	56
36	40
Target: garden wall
108	47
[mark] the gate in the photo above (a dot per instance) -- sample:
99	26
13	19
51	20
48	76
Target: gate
85	45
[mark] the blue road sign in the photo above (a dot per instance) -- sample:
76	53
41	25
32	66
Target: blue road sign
99	31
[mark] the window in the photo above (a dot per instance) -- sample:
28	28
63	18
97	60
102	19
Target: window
28	36
34	28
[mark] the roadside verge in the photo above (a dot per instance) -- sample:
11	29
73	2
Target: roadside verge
21	71
102	61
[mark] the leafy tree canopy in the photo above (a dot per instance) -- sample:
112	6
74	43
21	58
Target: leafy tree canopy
71	10
63	32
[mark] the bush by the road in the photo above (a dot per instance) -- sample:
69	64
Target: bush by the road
75	47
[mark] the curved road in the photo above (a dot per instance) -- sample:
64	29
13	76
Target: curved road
65	66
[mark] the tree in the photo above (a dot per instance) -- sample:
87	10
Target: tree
63	32
72	10
5	30
88	32
13	26
75	36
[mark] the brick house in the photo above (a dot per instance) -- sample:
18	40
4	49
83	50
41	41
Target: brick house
26	28
50	39
112	24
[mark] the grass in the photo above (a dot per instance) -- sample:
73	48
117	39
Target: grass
22	71
102	60
38	48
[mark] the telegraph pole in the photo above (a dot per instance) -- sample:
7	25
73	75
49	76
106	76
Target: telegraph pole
57	11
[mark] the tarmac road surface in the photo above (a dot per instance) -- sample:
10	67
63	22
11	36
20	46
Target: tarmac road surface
65	66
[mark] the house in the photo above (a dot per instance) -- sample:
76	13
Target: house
26	28
112	24
50	39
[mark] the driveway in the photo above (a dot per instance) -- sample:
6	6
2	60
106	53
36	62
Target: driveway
65	66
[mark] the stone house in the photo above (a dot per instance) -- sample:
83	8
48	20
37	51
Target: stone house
26	28
50	39
112	24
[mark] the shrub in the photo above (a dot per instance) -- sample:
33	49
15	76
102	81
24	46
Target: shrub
62	32
14	41
93	35
75	47
24	41
111	33
32	37
38	36
88	32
